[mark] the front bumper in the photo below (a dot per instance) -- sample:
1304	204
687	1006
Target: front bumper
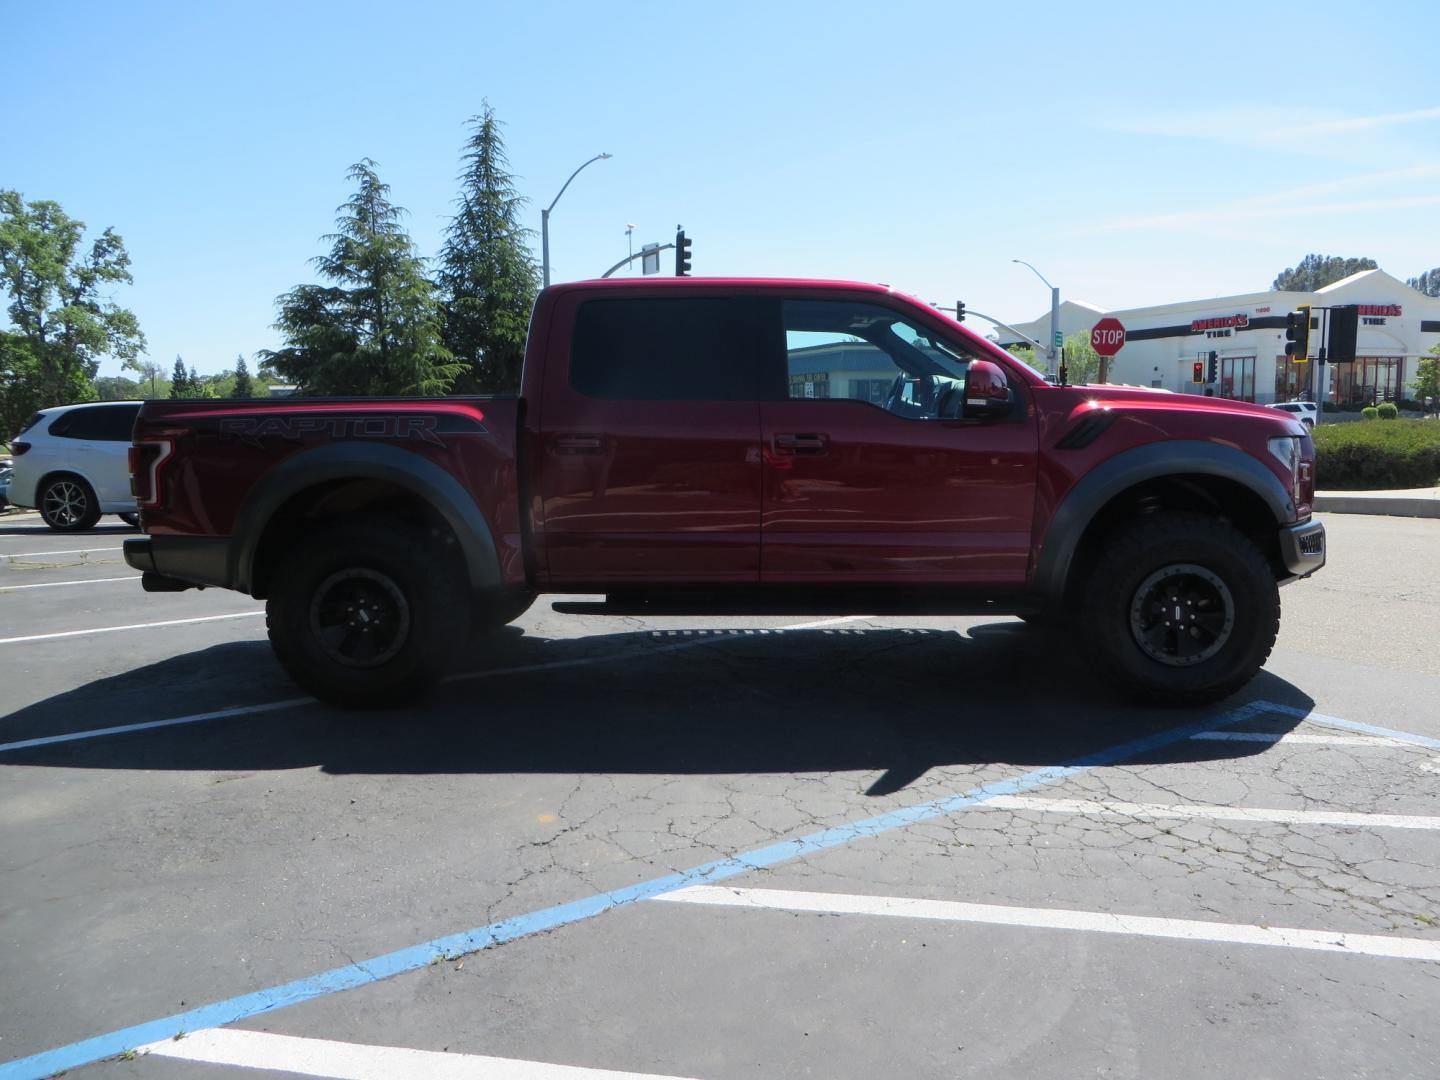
172	563
1302	547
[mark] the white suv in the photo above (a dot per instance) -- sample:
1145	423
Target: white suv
1307	412
72	463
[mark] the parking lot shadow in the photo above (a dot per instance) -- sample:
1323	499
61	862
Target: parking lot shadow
714	701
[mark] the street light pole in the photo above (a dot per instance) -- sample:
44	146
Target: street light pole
545	220
1051	353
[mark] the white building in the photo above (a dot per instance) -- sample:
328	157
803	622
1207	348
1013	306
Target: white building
1398	325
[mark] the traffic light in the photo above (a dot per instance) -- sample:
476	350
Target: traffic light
1297	333
1344	329
959	310
1213	371
682	254
1197	373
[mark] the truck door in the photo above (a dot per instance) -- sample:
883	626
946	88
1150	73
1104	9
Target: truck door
649	446
871	475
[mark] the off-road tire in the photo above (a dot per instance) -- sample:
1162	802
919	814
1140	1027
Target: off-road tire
367	616
1180	609
68	504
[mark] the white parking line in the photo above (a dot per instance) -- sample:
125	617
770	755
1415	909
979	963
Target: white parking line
57	584
1100	922
65	551
1215	813
1306	737
244	710
131	626
355	1061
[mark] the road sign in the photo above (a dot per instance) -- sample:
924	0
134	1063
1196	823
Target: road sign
1107	337
1059	340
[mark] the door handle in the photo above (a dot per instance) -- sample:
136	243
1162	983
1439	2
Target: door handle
796	443
577	444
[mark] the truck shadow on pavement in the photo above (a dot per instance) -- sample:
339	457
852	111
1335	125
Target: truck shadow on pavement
898	701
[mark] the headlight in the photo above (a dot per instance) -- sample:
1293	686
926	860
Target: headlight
1286	449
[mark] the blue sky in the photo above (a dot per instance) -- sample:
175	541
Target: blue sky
1135	153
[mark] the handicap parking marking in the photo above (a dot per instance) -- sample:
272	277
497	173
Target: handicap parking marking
1297	737
367	972
238	1047
1058	919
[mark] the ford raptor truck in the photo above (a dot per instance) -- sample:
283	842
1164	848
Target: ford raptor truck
737	446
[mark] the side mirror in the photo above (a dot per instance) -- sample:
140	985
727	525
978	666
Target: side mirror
987	391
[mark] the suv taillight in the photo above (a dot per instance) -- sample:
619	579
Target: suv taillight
19	448
147	462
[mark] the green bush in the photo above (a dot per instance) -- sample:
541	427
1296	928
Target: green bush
1399	454
1387	411
1370	412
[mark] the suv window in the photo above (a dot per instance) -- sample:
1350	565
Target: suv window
865	352
104	423
666	349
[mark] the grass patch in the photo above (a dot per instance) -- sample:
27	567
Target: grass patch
1377	454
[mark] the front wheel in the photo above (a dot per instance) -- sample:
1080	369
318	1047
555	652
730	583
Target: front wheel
367	616
1180	608
133	520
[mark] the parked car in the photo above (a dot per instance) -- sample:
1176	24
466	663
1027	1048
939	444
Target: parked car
738	446
1307	412
5	469
72	464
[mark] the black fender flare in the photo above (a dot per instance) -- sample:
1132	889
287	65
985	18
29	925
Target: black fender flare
1135	466
365	461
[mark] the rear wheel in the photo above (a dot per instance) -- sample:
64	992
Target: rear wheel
68	504
367	616
1180	608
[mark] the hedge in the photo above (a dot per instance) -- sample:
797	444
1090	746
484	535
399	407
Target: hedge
1396	454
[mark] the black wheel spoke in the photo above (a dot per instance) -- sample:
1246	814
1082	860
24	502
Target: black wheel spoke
1182	615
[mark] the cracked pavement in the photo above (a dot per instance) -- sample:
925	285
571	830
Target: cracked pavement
148	873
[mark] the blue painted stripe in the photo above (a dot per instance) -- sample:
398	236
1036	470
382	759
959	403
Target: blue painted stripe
1352	725
351	976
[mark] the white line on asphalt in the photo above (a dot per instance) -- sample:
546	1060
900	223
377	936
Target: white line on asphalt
193	718
1218	813
355	1061
1060	919
243	710
131	626
66	551
57	584
1298	737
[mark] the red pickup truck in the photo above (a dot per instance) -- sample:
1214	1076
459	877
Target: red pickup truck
738	446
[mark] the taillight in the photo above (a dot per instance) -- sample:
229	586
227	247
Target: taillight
18	448
147	462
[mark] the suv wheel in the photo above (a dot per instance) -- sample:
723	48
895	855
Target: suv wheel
366	616
68	504
1181	608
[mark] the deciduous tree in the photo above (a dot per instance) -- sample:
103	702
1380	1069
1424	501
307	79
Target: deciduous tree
376	329
1317	271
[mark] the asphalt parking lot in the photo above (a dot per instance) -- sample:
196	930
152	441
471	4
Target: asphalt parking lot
778	847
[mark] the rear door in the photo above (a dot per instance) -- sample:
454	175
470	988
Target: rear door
649	463
872	476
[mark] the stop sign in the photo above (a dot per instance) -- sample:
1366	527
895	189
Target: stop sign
1107	337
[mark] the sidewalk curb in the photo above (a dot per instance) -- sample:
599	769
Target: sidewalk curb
1385	504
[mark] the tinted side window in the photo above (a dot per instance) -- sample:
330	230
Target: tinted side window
108	423
666	349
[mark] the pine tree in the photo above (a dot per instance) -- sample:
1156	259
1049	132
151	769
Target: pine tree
179	381
376	330
244	385
487	275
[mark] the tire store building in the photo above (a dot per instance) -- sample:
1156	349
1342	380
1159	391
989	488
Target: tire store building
1246	335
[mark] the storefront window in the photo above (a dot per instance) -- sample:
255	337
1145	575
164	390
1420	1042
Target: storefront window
1292	380
1370	380
1237	377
